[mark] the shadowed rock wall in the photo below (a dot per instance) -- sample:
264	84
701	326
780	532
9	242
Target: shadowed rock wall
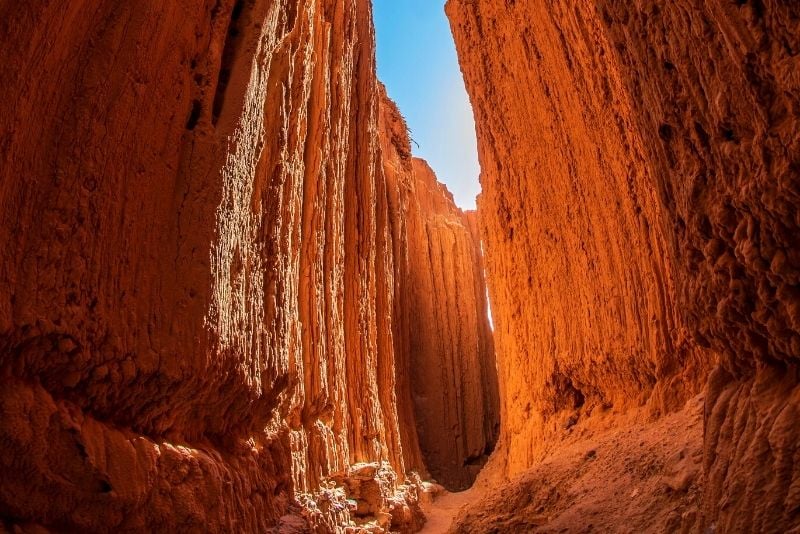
200	272
641	186
452	353
444	321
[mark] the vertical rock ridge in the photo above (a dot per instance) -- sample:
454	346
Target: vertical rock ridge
444	327
639	215
456	402
232	300
576	256
205	320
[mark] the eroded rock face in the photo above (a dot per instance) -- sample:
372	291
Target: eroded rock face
452	353
444	325
640	215
578	261
199	286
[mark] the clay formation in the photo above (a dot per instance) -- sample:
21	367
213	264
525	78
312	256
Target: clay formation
640	220
231	300
205	304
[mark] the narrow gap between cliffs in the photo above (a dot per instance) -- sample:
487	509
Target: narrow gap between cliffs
416	60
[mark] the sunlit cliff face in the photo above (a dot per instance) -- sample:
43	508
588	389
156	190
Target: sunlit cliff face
232	300
216	273
639	221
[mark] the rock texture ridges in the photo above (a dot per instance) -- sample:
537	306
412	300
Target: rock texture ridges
640	216
231	300
444	322
201	278
577	259
455	378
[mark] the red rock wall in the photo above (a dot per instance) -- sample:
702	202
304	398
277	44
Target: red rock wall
578	262
199	275
443	326
726	161
640	177
452	353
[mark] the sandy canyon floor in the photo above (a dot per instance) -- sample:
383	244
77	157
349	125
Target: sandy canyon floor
641	477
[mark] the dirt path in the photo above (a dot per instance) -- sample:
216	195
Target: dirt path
445	508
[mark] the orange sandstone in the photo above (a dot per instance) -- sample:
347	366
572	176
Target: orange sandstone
231	300
445	325
201	275
640	197
578	262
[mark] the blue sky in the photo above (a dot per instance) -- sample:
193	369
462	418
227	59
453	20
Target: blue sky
417	61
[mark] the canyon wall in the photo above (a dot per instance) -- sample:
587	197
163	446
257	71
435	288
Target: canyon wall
201	296
640	203
578	262
444	322
452	352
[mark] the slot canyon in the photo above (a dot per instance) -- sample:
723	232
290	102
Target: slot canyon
232	299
